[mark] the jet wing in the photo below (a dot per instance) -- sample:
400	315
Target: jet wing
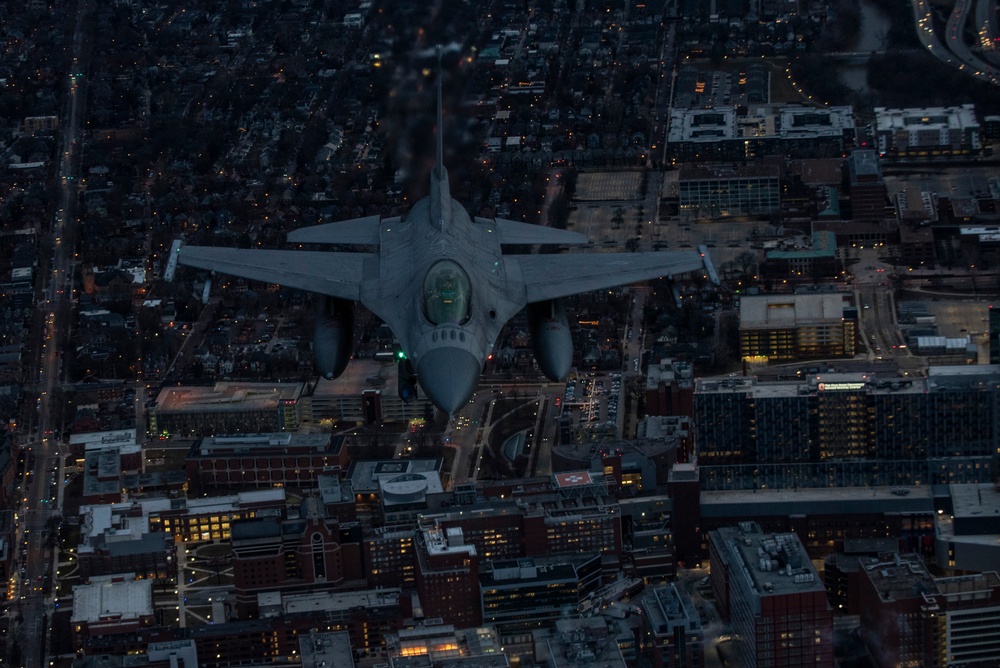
513	232
326	273
552	276
357	231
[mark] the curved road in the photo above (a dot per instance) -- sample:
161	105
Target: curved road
954	50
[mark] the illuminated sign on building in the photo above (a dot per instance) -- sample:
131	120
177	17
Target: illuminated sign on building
841	386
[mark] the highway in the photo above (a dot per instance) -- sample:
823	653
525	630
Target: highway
986	29
879	326
954	50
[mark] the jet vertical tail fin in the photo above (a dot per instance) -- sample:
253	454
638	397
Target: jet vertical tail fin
439	152
440	191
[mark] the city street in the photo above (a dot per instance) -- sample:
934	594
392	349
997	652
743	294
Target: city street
43	489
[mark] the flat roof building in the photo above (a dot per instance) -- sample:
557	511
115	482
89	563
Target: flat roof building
909	617
365	393
828	428
225	408
436	645
927	131
241	461
672	628
111	605
585	642
968	537
116	539
804	265
730	190
210	518
724	134
522	594
447	575
773	598
318	650
670	388
779	328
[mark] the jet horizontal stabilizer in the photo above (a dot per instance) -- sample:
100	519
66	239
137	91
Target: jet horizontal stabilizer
358	231
709	266
513	232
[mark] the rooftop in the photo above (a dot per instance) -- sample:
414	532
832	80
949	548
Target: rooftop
518	572
772	564
922	118
441	541
587	642
214	446
789	311
817	501
326	649
117	597
974	501
666	608
904	577
366	475
292	604
667	371
226	397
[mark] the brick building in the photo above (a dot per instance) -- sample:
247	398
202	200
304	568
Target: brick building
767	588
240	461
308	552
447	576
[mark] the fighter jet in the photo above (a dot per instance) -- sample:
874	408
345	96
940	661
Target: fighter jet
443	283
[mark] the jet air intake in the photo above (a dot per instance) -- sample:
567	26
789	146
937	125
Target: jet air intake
406	379
333	335
551	341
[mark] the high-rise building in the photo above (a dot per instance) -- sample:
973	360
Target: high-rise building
523	594
773	598
245	461
447	575
910	618
842	570
869	200
782	328
580	519
649	541
892	595
670	388
496	528
671	628
818	429
389	556
309	552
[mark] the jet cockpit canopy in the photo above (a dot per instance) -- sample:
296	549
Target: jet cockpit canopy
447	292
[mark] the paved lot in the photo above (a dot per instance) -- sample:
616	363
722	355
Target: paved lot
964	317
606	186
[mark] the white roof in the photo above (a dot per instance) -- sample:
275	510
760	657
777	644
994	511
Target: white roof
111	597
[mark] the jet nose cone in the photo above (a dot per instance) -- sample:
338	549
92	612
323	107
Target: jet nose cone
448	376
